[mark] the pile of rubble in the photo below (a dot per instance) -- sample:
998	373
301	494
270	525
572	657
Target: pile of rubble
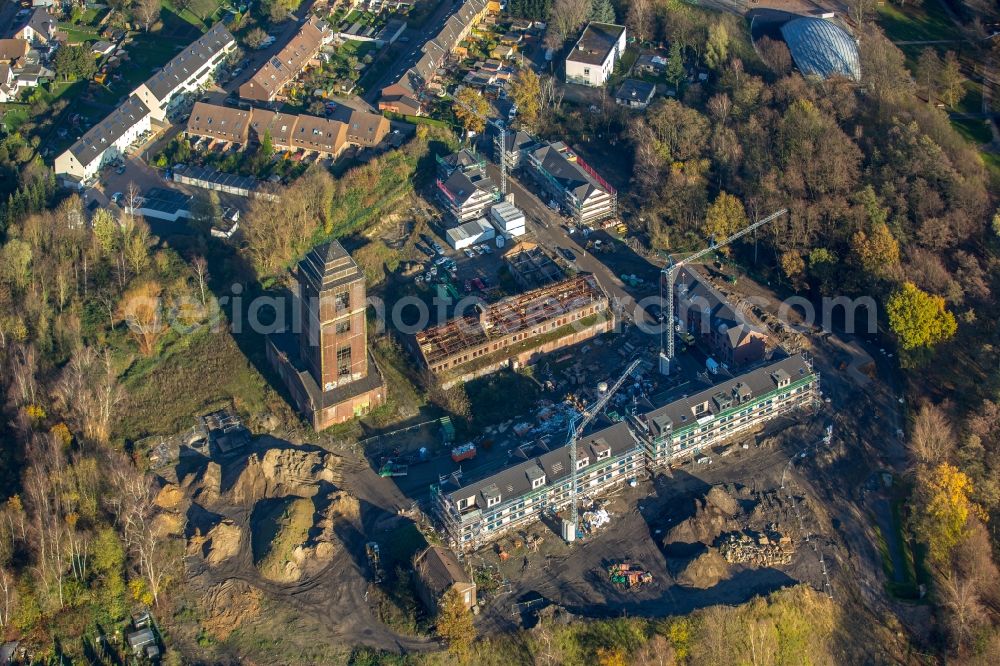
762	551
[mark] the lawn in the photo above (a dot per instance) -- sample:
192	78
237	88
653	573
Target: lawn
78	34
976	131
929	22
198	13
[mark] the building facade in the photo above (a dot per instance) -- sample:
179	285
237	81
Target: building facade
475	512
268	82
572	183
478	512
190	71
324	360
595	54
464	189
105	141
691	426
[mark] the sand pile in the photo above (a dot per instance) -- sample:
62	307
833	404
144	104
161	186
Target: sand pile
284	472
704	571
228	605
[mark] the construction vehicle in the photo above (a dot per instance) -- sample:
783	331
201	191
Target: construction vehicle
374	555
466	451
392	468
626	575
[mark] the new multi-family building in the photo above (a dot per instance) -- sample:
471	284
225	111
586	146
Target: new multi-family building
691	425
327	137
516	330
706	314
593	58
476	512
187	73
105	141
465	191
268	82
571	183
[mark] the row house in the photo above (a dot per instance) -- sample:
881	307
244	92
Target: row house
281	69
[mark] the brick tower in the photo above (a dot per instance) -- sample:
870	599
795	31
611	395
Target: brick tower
329	371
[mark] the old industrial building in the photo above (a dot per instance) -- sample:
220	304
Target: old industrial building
593	58
707	315
516	330
324	360
288	132
474	512
281	69
572	183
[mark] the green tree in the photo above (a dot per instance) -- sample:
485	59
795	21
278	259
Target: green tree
919	319
454	625
602	11
109	565
675	64
471	109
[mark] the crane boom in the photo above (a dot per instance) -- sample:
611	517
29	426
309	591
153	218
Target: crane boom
576	427
670	273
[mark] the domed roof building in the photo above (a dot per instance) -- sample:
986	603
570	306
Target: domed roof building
822	48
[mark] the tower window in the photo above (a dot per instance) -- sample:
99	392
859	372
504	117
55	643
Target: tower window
344	326
344	361
342	301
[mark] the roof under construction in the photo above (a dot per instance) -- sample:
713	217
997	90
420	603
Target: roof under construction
508	316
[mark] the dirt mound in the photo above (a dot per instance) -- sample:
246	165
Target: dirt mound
722	500
228	605
284	472
209	484
707	523
170	497
218	544
290	522
168	524
704	571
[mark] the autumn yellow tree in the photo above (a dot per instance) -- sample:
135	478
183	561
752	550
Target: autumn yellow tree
724	217
471	109
919	319
140	308
944	508
454	625
877	252
526	91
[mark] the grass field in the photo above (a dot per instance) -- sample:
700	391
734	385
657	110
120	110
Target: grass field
976	131
199	14
929	22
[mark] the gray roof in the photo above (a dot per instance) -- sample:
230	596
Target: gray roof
39	20
516	480
164	200
570	175
463	185
439	569
634	90
822	48
213	176
680	413
188	61
100	137
328	266
596	43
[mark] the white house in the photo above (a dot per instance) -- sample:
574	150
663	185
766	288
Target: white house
469	234
104	141
593	58
190	71
508	219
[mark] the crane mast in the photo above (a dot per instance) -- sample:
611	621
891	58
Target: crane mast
670	275
576	427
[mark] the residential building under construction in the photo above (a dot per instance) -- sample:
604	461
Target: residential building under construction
465	191
479	511
476	511
572	184
515	331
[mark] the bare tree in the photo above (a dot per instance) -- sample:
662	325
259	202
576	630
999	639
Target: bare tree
932	438
566	18
966	613
200	265
8	597
147	12
88	390
640	19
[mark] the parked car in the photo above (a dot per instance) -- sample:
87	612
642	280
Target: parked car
567	254
469	253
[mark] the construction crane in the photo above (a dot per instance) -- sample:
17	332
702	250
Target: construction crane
670	274
576	427
501	145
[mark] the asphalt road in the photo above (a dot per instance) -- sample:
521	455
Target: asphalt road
417	40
